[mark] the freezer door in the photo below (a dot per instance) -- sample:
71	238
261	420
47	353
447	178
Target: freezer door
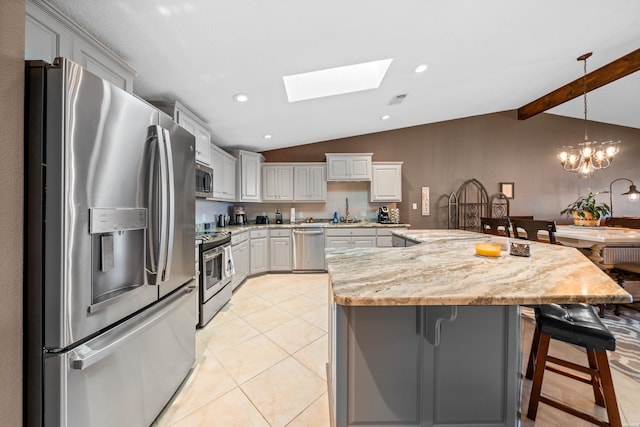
125	376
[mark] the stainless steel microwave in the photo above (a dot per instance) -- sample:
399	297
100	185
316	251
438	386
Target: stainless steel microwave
204	182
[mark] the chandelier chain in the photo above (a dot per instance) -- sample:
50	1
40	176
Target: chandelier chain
584	90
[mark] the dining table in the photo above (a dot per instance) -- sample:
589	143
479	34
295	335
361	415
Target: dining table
604	245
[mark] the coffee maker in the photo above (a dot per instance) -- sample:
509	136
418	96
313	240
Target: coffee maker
383	215
241	216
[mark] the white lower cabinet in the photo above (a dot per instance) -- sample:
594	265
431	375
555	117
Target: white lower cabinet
425	366
280	250
259	251
241	257
384	239
346	237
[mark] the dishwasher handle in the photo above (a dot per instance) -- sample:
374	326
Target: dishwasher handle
308	232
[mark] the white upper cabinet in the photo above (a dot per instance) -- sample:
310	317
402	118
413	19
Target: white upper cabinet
310	182
249	175
50	34
386	182
348	167
277	182
198	128
224	174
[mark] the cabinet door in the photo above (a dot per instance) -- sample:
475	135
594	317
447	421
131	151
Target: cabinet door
228	178
471	375
310	183
250	179
285	182
93	60
269	183
348	167
45	38
259	255
202	135
384	366
216	160
338	242
386	183
280	253
363	242
240	263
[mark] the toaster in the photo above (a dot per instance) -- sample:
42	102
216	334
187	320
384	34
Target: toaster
262	219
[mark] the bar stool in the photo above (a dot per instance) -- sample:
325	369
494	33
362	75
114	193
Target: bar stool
576	324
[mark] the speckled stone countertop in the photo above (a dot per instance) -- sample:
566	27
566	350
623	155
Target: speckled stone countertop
444	270
241	228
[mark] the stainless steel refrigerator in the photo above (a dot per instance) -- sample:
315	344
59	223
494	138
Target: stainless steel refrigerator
109	252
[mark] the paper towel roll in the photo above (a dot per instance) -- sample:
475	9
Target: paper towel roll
293	215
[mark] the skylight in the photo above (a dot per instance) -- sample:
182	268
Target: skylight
336	81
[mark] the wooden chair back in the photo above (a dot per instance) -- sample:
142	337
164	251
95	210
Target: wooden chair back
495	226
627	222
531	228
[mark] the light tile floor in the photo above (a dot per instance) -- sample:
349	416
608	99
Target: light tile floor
261	362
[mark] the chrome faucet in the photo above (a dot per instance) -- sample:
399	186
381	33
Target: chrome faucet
347	216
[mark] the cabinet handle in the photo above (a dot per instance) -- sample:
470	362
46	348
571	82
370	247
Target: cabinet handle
433	319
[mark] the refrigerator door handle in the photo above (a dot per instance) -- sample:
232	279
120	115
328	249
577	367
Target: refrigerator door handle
157	209
170	213
85	356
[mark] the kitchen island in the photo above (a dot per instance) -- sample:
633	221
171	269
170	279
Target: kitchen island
430	334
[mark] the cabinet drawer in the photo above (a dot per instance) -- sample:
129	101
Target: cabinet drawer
280	233
386	231
256	234
350	232
239	237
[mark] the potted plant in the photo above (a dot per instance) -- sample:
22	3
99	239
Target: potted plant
586	211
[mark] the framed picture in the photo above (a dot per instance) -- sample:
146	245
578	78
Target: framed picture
425	201
507	189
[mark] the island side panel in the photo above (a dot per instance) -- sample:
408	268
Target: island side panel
384	370
472	376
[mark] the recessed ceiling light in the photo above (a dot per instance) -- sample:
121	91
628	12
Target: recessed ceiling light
385	117
240	97
267	136
336	81
421	68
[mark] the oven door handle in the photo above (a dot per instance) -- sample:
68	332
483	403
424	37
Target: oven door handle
212	253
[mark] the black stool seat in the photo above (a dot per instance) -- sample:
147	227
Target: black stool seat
576	324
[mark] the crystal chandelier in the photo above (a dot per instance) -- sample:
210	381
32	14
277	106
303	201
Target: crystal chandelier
590	156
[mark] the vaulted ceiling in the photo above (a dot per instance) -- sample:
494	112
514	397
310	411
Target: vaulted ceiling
482	56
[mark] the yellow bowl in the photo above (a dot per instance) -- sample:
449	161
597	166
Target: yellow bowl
488	249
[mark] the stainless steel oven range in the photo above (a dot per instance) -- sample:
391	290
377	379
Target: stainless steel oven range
215	274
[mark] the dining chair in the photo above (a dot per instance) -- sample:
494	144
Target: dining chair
495	226
626	222
531	227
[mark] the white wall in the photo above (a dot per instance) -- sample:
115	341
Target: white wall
11	189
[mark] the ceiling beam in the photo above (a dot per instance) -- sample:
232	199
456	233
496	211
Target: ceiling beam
621	67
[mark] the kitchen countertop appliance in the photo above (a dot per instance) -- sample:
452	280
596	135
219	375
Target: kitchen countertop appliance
216	269
383	215
278	216
241	216
262	219
308	249
109	272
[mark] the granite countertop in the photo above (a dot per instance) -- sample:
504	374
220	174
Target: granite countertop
241	228
444	270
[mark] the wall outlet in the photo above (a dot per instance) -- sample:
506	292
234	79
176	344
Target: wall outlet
415	206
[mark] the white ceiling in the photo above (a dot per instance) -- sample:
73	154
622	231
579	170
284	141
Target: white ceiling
483	56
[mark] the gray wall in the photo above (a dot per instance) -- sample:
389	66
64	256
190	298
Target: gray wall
11	188
492	148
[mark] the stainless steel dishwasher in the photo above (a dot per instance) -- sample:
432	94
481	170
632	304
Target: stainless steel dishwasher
308	249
